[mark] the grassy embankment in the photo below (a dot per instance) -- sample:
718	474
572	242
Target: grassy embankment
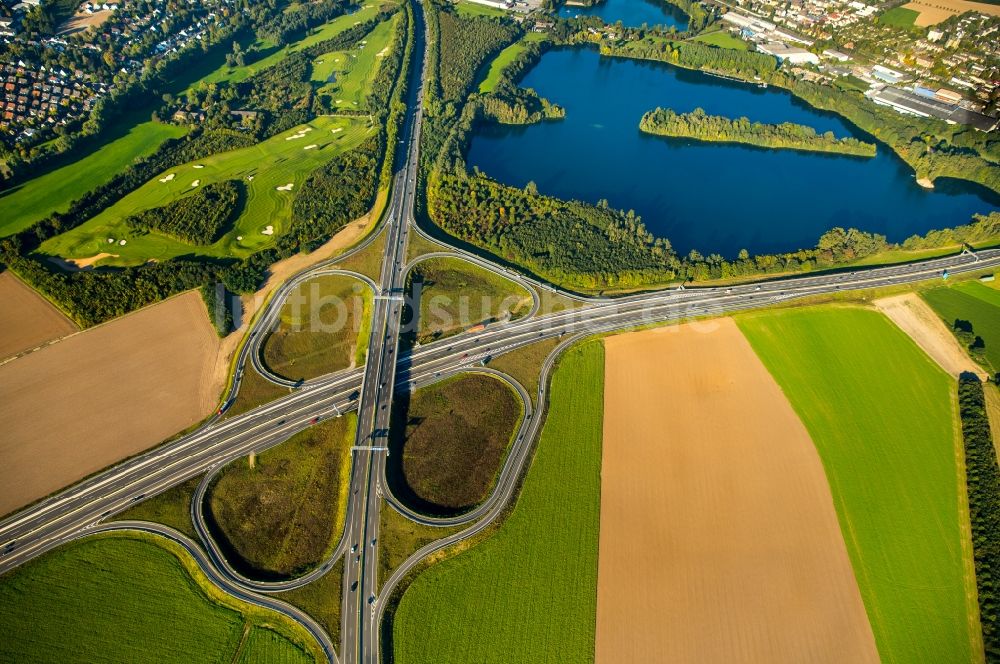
525	364
171	508
284	515
276	162
324	327
456	295
884	420
130	597
353	71
35	199
321	599
528	593
504	58
452	439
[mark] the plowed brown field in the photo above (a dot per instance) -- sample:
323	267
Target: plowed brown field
719	539
27	319
103	395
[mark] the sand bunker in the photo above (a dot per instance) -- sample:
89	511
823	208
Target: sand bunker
915	317
719	539
269	230
197	166
382	53
167	178
310	147
285	187
338	129
87	263
196	183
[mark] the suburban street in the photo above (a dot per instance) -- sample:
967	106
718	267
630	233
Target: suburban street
83	508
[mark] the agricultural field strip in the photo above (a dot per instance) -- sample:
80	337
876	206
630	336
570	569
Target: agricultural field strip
650	306
289	610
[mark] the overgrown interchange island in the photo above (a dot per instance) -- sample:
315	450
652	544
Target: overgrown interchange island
324	338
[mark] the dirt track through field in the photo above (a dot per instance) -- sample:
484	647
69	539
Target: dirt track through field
27	319
719	539
104	394
915	317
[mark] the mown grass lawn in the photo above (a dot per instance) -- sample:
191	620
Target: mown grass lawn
276	162
456	295
883	418
722	39
36	199
354	70
452	437
529	592
273	56
132	598
325	325
976	303
899	17
283	516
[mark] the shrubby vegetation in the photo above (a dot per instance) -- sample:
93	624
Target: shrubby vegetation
342	190
198	218
466	44
714	128
695	55
508	104
983	476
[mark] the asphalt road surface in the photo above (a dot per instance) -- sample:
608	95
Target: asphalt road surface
76	511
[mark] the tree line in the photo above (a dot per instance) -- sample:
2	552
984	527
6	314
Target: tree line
983	478
716	128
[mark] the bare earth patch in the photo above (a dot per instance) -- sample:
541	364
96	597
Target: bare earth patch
719	539
27	319
914	317
104	394
935	11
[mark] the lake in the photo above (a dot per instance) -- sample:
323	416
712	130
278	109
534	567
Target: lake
716	198
632	13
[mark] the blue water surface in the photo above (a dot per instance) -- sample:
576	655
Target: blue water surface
716	198
632	13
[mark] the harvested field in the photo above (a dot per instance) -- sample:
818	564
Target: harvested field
105	394
27	319
913	316
935	11
719	538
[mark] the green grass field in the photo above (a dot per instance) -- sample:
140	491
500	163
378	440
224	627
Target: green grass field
883	418
321	599
504	58
130	598
274	56
457	295
454	437
722	39
528	593
473	9
354	70
274	163
325	325
284	515
899	17
976	303
36	199
525	364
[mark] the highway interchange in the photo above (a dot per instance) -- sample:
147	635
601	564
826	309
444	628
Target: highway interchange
81	509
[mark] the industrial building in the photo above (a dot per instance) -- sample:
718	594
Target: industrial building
792	54
911	103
